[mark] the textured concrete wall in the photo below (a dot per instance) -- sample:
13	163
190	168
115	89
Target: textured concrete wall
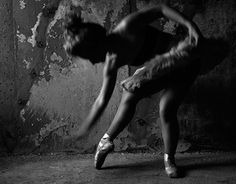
7	77
46	95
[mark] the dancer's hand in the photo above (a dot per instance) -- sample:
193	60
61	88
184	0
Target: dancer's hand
134	82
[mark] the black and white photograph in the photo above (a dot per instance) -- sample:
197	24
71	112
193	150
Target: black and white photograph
117	91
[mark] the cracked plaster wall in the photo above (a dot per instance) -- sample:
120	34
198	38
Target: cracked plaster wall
57	92
50	94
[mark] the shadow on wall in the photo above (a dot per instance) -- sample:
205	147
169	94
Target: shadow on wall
212	95
215	50
207	109
7	136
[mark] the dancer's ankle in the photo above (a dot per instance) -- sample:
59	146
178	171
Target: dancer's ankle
106	136
169	157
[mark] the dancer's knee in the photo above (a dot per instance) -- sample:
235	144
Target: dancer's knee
128	97
167	111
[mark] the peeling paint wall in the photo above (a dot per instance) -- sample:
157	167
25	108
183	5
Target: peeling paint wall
45	95
57	92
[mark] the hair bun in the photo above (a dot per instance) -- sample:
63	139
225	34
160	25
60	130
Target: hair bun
72	20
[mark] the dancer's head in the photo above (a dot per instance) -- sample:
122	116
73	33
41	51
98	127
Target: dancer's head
85	40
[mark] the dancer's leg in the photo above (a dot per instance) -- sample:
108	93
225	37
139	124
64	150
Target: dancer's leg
169	103
169	124
124	114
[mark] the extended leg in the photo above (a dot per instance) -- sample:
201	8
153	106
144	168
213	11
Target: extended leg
124	114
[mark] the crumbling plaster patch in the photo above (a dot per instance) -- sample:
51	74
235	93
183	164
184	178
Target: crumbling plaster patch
22	4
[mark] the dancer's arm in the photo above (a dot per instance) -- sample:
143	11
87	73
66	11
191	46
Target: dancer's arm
161	65
146	16
109	81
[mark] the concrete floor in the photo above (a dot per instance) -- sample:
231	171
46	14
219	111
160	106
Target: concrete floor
199	168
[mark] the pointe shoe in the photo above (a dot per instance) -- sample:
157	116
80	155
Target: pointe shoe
170	166
105	146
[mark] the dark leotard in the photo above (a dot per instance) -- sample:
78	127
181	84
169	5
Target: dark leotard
157	43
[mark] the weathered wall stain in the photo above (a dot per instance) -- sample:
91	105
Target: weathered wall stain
46	95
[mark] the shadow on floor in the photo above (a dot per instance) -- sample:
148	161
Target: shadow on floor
137	166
